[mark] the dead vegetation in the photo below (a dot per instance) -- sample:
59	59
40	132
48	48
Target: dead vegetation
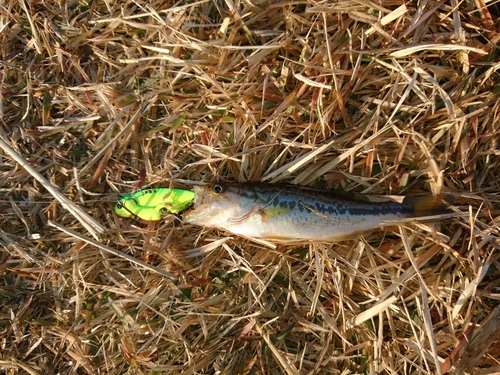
100	98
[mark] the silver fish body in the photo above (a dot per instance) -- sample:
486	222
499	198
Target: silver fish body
276	212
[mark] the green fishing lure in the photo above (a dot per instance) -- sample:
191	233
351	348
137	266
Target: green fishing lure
148	204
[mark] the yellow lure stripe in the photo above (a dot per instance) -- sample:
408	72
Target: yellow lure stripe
149	204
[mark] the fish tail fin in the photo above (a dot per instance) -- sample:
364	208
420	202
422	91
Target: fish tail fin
428	205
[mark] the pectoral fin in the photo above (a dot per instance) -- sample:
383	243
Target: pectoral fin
242	218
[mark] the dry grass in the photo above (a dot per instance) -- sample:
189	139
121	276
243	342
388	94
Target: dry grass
100	98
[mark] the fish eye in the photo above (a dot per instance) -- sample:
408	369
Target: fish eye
217	189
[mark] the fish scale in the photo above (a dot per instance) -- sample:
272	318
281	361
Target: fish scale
276	212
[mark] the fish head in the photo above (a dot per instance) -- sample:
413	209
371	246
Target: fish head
215	204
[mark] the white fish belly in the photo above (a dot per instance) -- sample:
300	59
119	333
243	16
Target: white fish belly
309	227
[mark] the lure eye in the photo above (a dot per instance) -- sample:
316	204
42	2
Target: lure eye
217	189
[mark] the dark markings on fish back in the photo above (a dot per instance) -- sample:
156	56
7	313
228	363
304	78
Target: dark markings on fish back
330	202
242	192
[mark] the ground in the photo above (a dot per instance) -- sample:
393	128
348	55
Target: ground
101	98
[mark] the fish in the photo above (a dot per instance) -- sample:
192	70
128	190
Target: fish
288	212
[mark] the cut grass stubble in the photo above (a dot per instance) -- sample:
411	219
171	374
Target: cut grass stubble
100	99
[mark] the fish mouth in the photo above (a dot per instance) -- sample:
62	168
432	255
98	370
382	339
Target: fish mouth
199	195
198	210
